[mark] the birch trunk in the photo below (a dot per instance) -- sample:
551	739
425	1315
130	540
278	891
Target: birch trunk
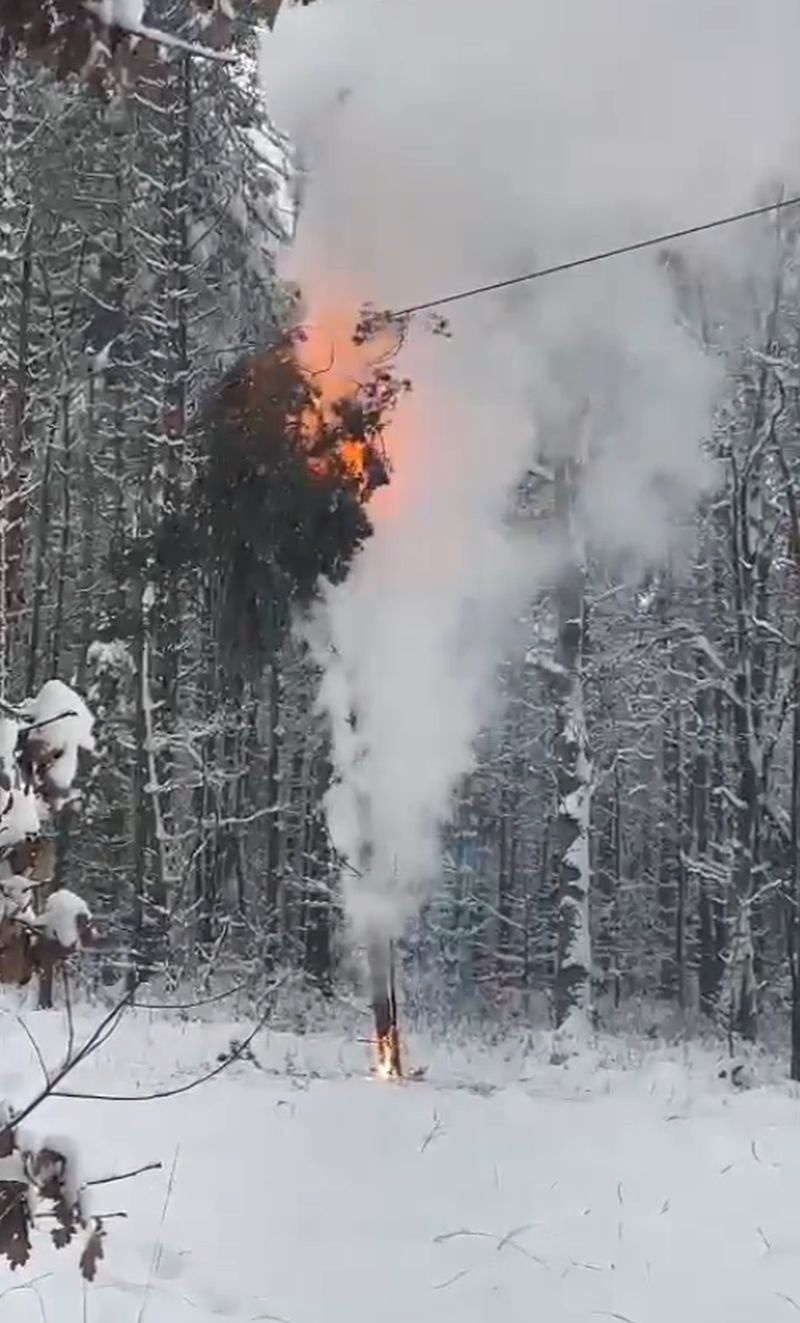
573	994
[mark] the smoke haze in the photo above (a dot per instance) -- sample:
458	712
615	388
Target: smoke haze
448	143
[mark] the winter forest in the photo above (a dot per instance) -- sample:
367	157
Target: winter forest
436	660
139	271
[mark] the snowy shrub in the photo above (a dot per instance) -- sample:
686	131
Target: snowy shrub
41	1178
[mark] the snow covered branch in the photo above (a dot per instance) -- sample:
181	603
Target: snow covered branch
127	16
85	36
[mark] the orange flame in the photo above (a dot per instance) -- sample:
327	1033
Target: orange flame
388	1065
339	368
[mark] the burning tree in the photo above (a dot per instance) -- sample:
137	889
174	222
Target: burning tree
290	454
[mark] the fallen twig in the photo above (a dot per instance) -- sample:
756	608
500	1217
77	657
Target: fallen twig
158	1247
236	1053
441	1286
37	1050
125	1175
436	1130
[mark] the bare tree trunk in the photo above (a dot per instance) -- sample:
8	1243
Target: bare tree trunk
319	935
710	967
792	899
793	908
747	713
672	869
608	873
273	800
150	864
16	509
507	863
66	519
15	308
573	994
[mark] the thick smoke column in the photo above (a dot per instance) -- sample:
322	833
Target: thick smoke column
450	143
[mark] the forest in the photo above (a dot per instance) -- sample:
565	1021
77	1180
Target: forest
399	661
643	757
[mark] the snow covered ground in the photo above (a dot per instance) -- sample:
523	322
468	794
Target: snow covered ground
629	1183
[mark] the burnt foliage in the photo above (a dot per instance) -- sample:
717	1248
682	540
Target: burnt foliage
278	503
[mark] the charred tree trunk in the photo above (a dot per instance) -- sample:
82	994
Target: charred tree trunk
380	961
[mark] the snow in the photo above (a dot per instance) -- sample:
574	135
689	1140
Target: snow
13	1169
60	917
109	656
15	896
628	1182
55	700
65	1147
9	733
128	14
19	816
61	773
101	359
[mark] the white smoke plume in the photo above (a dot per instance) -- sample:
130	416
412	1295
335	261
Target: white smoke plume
449	143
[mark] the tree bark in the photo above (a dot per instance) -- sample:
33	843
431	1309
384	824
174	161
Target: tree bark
574	790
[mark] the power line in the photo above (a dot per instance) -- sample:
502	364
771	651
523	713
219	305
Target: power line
597	257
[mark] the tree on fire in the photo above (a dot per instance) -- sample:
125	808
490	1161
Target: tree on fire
280	497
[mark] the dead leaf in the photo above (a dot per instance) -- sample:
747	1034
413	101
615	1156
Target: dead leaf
15	1239
93	1251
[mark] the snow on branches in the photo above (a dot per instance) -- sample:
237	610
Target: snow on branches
39	1179
100	40
60	725
40	744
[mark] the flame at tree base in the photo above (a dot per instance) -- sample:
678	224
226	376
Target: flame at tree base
388	1064
380	957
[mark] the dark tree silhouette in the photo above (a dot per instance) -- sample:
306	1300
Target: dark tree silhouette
280	498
